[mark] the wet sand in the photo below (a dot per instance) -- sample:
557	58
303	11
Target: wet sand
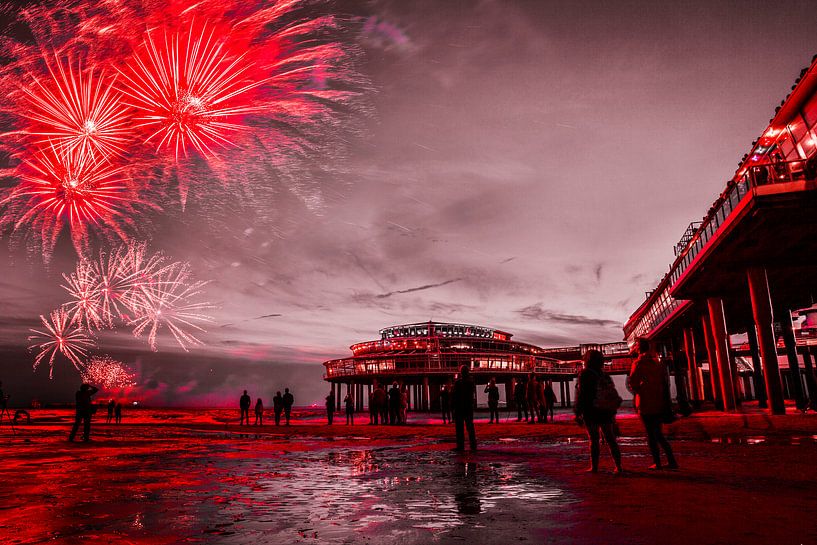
182	476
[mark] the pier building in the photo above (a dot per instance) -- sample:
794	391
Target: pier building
742	282
424	356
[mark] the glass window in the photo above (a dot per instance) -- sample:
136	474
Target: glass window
810	112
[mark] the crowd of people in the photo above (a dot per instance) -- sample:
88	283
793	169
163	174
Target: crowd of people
281	406
597	403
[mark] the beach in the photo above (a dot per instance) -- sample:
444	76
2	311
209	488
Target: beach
195	476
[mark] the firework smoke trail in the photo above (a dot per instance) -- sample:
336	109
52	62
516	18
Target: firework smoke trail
108	373
171	304
60	335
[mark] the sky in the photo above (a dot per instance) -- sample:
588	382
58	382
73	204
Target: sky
526	166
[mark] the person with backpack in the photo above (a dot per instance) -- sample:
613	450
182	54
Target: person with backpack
649	382
596	404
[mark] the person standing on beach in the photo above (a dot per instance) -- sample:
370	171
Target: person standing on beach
596	404
649	382
330	406
519	397
493	400
259	412
550	399
350	409
277	407
117	411
289	400
244	403
462	401
445	403
404	403
531	396
84	411
394	404
111	405
380	400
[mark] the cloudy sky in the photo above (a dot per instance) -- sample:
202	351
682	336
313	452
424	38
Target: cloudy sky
522	165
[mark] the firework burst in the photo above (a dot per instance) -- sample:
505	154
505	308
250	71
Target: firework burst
85	305
77	111
171	304
60	335
108	373
188	90
61	190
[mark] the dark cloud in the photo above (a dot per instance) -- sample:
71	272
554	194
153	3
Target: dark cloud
418	288
537	312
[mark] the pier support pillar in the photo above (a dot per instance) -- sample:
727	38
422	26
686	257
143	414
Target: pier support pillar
764	324
567	392
759	385
695	393
426	395
794	364
721	339
562	393
714	374
339	396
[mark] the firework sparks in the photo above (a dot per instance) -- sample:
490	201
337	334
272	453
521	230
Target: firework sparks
187	89
78	112
60	189
171	303
60	335
222	77
108	373
85	305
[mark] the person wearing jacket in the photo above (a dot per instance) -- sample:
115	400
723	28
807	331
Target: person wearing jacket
650	384
595	420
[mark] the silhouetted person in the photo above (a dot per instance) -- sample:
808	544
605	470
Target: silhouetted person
395	399
245	403
462	402
289	400
445	403
111	405
350	409
259	412
277	407
404	403
493	400
330	406
521	402
117	411
541	402
650	384
84	411
381	402
532	396
596	407
4	399
372	407
550	399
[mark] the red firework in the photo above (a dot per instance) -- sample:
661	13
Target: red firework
108	373
77	111
60	335
59	189
171	303
188	90
85	306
